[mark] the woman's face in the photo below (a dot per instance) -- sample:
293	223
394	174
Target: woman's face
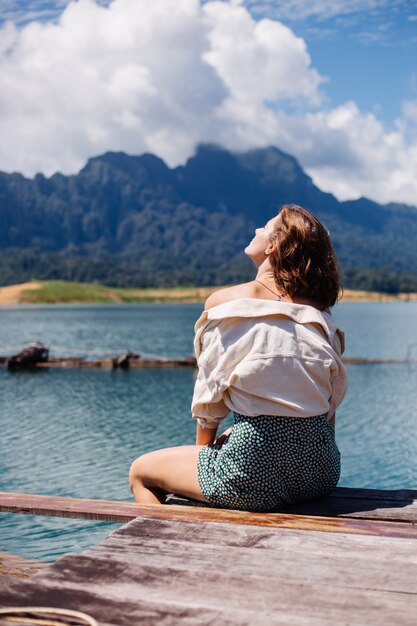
259	245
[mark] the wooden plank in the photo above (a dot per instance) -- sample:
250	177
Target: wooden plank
56	506
258	551
181	596
162	572
108	510
245	536
389	505
360	507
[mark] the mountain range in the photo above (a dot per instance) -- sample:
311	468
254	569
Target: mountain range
133	221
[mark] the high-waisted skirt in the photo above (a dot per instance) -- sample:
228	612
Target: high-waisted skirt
268	461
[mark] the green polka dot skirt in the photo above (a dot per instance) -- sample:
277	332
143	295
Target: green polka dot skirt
268	461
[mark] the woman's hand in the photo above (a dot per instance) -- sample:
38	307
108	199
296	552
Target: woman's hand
223	436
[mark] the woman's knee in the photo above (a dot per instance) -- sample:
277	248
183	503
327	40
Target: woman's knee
137	472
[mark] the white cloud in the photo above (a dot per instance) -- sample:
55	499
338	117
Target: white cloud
162	76
258	61
410	111
116	78
137	76
360	158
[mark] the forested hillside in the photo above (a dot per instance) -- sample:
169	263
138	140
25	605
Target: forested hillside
132	221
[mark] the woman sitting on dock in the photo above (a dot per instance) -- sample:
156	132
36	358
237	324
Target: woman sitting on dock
268	351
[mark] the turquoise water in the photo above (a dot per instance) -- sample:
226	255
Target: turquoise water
75	432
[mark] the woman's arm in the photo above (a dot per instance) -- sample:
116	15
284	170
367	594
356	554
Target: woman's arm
205	435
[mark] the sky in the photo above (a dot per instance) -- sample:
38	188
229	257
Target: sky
331	82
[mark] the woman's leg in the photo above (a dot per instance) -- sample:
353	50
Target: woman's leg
171	470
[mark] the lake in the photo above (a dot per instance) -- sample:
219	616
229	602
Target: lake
75	432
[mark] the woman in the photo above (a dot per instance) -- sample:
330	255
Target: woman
269	351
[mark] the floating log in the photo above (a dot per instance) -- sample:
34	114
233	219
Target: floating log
29	356
109	362
36	355
124	360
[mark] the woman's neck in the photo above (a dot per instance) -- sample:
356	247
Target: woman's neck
265	276
265	271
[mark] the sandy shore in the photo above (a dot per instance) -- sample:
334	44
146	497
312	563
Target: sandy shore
12	293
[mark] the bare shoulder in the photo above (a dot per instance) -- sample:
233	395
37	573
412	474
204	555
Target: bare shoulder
244	290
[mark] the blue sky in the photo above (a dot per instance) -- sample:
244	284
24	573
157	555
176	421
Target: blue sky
336	84
368	55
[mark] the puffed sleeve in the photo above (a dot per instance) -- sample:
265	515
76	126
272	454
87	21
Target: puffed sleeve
207	405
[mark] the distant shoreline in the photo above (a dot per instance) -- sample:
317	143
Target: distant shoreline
60	292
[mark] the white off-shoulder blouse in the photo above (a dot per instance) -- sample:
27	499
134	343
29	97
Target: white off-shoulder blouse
264	357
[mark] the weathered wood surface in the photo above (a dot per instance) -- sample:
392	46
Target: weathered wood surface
17	567
347	511
168	572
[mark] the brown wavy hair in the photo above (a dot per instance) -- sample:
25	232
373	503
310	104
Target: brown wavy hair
303	261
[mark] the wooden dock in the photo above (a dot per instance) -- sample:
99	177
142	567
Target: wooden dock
348	559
